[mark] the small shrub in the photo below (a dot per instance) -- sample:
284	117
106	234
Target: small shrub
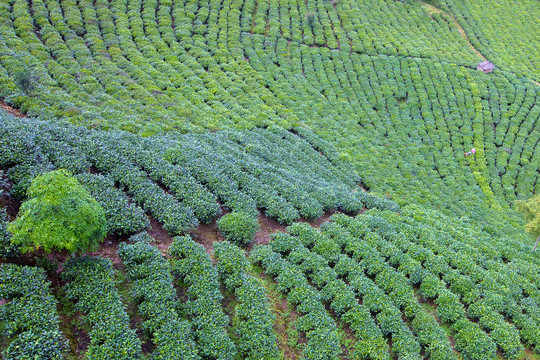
25	81
310	19
238	227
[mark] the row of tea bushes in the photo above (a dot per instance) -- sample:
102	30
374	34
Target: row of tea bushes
152	288
252	313
29	317
178	179
194	268
91	286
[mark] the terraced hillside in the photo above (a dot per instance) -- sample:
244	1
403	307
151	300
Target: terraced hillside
341	127
404	87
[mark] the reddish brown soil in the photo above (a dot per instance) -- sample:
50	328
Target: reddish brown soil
11	110
162	238
349	336
319	221
529	354
83	340
268	227
390	345
206	235
228	303
285	316
79	339
135	323
8	202
109	249
93	170
181	292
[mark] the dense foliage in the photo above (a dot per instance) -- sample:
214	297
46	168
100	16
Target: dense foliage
394	87
482	287
30	319
238	227
502	31
59	214
253	319
194	267
178	179
315	322
291	109
152	288
91	286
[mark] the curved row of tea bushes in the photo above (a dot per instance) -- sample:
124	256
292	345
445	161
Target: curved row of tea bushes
123	218
194	267
386	301
501	34
147	155
152	288
134	65
252	313
489	303
448	289
379	27
177	178
341	298
316	322
497	293
91	286
417	118
374	88
30	319
475	345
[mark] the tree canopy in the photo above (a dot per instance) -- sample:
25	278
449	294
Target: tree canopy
59	214
531	210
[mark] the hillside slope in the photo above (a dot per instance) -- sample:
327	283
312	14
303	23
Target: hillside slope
341	126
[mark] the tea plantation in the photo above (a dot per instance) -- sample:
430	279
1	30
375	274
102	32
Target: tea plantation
281	179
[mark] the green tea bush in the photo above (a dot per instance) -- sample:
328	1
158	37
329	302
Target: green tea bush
472	342
238	227
253	316
91	285
320	329
194	267
30	316
156	298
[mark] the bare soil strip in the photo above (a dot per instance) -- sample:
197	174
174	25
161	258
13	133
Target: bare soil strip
11	110
432	9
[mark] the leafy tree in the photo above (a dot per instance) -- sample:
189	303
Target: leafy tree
59	214
531	210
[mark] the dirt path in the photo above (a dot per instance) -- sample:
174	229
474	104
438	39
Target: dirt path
11	110
432	9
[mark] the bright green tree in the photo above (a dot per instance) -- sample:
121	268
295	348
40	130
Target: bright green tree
59	214
531	210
